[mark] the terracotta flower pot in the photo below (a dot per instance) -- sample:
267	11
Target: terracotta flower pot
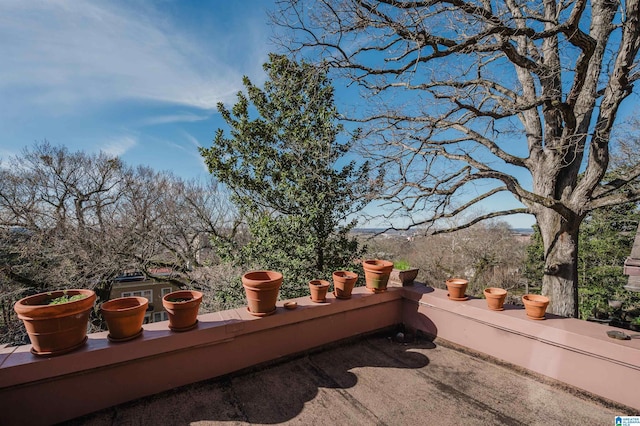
457	288
182	307
406	277
261	289
56	329
124	317
376	274
495	298
535	305
318	289
343	283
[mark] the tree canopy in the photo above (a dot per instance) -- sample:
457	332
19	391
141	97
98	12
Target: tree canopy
72	219
286	165
469	100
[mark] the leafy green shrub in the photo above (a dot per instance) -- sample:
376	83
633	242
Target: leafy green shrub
401	265
65	299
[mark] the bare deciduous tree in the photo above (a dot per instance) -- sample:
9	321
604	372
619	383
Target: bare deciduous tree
469	99
78	220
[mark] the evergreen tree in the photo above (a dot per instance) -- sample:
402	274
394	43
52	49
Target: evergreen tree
534	263
287	171
606	238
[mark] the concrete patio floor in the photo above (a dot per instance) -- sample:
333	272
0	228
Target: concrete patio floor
372	380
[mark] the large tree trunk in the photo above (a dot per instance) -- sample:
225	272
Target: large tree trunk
560	280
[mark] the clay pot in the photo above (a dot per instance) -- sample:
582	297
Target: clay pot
495	298
56	329
535	305
376	274
124	317
318	289
406	277
343	283
457	288
261	289
182	307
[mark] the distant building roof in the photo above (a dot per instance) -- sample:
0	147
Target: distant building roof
163	272
130	276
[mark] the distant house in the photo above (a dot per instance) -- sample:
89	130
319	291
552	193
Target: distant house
135	283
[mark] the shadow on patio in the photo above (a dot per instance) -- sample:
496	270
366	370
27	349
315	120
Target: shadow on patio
373	380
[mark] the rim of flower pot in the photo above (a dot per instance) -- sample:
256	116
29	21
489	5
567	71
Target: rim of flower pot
377	263
495	291
262	278
123	304
457	281
262	275
535	298
345	274
31	307
194	296
319	283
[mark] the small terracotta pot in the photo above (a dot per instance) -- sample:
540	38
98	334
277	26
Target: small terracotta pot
124	317
376	274
535	305
495	298
318	289
182	307
343	283
457	288
55	329
406	277
261	289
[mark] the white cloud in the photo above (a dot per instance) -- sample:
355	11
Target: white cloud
118	146
64	55
195	153
174	118
192	140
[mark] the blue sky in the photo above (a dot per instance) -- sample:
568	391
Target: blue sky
139	78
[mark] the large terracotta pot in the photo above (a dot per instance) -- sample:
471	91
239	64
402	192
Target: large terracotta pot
182	307
261	289
56	329
318	289
376	274
124	317
343	283
535	305
457	288
495	298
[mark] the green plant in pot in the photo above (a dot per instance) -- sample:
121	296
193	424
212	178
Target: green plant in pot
403	273
56	321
